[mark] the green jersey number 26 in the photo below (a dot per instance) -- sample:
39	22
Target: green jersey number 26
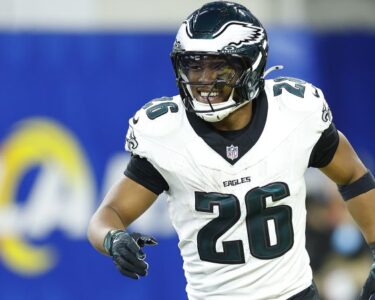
269	229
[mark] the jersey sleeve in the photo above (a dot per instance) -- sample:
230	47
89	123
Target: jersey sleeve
325	148
145	140
307	105
144	173
150	126
321	123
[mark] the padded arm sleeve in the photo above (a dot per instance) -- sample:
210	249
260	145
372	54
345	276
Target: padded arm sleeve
325	148
143	172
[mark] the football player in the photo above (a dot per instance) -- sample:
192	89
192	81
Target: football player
230	152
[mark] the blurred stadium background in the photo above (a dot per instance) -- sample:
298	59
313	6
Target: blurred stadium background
71	75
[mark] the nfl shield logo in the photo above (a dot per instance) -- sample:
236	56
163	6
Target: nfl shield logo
232	152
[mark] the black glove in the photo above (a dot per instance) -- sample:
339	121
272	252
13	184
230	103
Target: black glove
368	290
126	251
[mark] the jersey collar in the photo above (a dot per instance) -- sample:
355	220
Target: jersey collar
232	145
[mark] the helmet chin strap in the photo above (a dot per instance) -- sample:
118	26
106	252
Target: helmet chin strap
215	112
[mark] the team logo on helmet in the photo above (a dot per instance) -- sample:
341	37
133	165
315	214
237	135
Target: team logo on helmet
228	39
232	152
243	33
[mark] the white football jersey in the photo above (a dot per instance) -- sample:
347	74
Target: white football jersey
238	208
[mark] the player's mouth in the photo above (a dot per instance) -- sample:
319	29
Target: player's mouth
214	96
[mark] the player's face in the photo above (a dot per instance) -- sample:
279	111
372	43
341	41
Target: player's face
211	78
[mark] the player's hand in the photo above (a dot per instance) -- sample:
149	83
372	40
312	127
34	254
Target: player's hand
368	290
126	251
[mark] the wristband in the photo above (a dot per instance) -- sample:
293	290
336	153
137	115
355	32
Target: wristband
107	243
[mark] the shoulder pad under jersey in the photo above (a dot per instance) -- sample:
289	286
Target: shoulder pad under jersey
156	119
295	93
300	99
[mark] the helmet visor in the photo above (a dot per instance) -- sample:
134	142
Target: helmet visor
209	77
208	69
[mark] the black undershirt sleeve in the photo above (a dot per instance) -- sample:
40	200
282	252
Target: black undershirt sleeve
325	148
143	172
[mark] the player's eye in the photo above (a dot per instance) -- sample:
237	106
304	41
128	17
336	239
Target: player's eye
218	66
195	67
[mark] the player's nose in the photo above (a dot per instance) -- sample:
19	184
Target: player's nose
208	75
